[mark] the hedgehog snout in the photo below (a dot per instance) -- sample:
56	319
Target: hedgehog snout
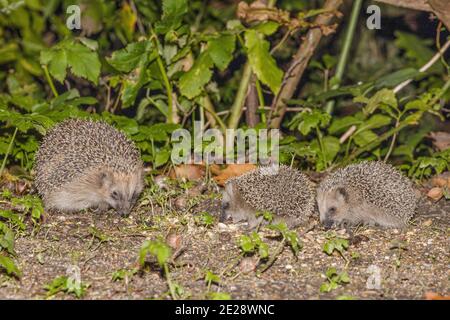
224	214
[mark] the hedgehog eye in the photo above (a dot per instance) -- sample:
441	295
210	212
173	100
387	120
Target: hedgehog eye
115	195
332	210
225	205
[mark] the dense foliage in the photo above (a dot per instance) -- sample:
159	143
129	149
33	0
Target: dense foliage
150	67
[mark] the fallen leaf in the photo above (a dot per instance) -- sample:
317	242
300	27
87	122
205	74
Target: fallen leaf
435	193
434	296
441	140
233	170
190	172
439	182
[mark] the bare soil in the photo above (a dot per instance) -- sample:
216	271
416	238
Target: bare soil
410	262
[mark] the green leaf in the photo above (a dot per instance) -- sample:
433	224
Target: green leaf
58	65
377	121
82	61
340	124
161	158
210	277
331	147
221	50
384	96
173	12
219	296
133	55
262	63
364	137
192	82
396	78
158	249
9	266
267	28
246	244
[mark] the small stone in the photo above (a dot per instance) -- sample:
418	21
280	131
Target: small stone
247	265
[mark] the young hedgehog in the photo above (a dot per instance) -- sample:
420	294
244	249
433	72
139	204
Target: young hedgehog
286	192
88	164
372	193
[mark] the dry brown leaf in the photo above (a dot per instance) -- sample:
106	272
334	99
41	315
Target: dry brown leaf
441	140
435	193
434	296
438	182
233	170
190	172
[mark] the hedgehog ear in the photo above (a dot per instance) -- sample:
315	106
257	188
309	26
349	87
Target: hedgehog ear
342	193
105	179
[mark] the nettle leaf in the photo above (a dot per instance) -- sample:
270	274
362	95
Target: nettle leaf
133	55
262	63
82	61
221	50
192	82
173	12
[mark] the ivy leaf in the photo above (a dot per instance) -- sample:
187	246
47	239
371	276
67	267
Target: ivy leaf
173	12
262	63
133	55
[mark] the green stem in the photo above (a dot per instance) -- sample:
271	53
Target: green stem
262	103
376	142
236	109
50	81
169	282
322	150
207	105
238	105
168	89
345	50
8	151
274	257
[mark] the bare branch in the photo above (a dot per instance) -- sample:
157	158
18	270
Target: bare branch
300	61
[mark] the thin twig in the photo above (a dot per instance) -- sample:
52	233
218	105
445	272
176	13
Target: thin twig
425	67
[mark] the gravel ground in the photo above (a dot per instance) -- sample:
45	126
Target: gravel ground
408	263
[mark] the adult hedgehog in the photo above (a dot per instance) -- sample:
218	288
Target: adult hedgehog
88	164
370	192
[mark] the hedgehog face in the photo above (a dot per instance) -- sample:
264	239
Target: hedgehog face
233	206
120	191
334	207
